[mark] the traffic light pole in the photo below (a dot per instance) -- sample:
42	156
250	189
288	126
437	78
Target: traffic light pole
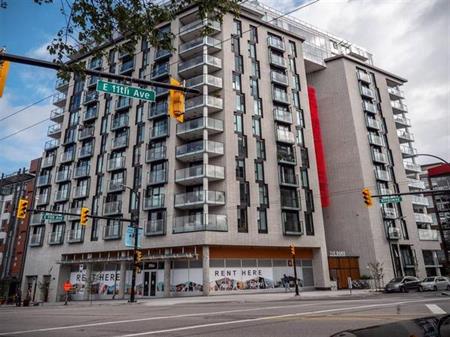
135	224
294	264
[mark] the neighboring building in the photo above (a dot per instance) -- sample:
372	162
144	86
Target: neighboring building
13	232
437	177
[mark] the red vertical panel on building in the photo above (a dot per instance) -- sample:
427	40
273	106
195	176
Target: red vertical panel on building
320	156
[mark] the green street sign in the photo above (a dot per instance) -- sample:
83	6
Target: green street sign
53	217
126	91
390	199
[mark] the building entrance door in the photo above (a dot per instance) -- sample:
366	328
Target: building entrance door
341	268
150	283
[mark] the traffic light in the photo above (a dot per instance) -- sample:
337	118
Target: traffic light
138	256
22	209
176	102
4	67
84	215
292	247
367	197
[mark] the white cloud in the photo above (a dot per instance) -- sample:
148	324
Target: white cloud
408	38
41	52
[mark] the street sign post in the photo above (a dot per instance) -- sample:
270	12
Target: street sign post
390	199
53	217
126	91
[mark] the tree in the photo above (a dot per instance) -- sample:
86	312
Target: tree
376	271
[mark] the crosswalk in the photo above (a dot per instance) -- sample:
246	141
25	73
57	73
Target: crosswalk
435	309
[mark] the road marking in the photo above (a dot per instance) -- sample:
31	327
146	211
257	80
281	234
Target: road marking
265	318
435	309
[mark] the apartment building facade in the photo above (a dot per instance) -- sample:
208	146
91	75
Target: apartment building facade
14	232
222	195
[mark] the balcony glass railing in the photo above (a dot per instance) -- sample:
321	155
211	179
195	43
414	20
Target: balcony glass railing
284	157
86	151
210	171
362	76
200	146
407	150
389	212
91	113
161	70
280	96
277	60
120	122
204	79
59	98
112	231
63	175
116	185
160	131
282	115
428	234
95	63
211	101
80	191
53	129
157	177
62	195
424	218
396	92
119	142
376	140
199	197
123	103
43	199
158	109
397	105
200	41
90	97
379	157
199	24
201	222
116	163
161	53
402	120
412	167
382	175
199	60
48	161
82	171
285	136
200	123
44	180
154	201
154	154
405	135
112	207
37	240
367	92
51	144
394	233
415	183
56	238
279	78
86	133
418	200
75	235
275	43
155	227
127	66
56	113
369	107
61	83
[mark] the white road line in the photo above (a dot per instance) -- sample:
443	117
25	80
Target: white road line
191	327
435	309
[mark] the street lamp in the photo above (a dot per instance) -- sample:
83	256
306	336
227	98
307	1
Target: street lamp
433	156
135	224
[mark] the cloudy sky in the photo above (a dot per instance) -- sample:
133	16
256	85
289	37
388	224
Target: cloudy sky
407	37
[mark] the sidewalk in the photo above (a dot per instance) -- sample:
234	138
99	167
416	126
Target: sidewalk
221	298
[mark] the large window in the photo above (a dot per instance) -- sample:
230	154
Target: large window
291	223
242	220
262	220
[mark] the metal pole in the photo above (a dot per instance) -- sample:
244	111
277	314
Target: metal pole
294	264
135	223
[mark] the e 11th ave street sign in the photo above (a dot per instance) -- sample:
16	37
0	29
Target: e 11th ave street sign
390	199
126	91
55	217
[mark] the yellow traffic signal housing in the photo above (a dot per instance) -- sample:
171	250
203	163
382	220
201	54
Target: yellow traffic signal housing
4	68
22	209
84	215
176	102
367	196
292	248
139	257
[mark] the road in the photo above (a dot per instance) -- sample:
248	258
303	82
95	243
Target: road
286	317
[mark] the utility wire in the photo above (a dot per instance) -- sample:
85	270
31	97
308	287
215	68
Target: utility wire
25	108
24	129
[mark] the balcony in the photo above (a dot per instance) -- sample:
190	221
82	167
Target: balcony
290	180
119	122
59	99
412	167
48	161
379	157
82	171
372	123
90	97
363	77
126	67
51	144
214	83
196	199
194	66
423	218
62	176
428	234
404	136
382	175
389	213
116	185
195	29
358	53
36	240
155	154
194	106
162	53
62	195
86	151
284	136
415	183
402	122
56	238
123	103
112	208
117	163
193	129
155	227
394	233
398	107
395	93
43	199
188	49
286	158
366	92
95	64
275	43
407	151
194	151
277	60
44	180
86	133
75	235
91	113
194	175
280	96
154	202
201	222
112	231
375	140
54	131
57	115
279	78
158	109
80	192
93	81
160	70
369	107
420	201
160	131
62	85
119	142
157	177
282	115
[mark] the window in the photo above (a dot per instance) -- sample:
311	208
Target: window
244	191
240	168
255	69
309	198
235	47
242	220
309	223
289	198
104	125
137	177
257	107
256	126
236	81
296	99
253	34
296	82
139	113
305	157
300	120
260	149
300	138
263	195
262	220
242	146
238	121
237	28
252	51
292	49
240	103
254	90
238	64
292	66
140	133
259	171
291	223
304	177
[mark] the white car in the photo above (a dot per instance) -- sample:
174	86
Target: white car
435	283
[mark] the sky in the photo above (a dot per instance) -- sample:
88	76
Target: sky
407	37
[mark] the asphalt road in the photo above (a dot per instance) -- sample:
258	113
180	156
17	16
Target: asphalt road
288	317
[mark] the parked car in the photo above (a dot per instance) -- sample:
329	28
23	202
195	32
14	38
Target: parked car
402	284
435	283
